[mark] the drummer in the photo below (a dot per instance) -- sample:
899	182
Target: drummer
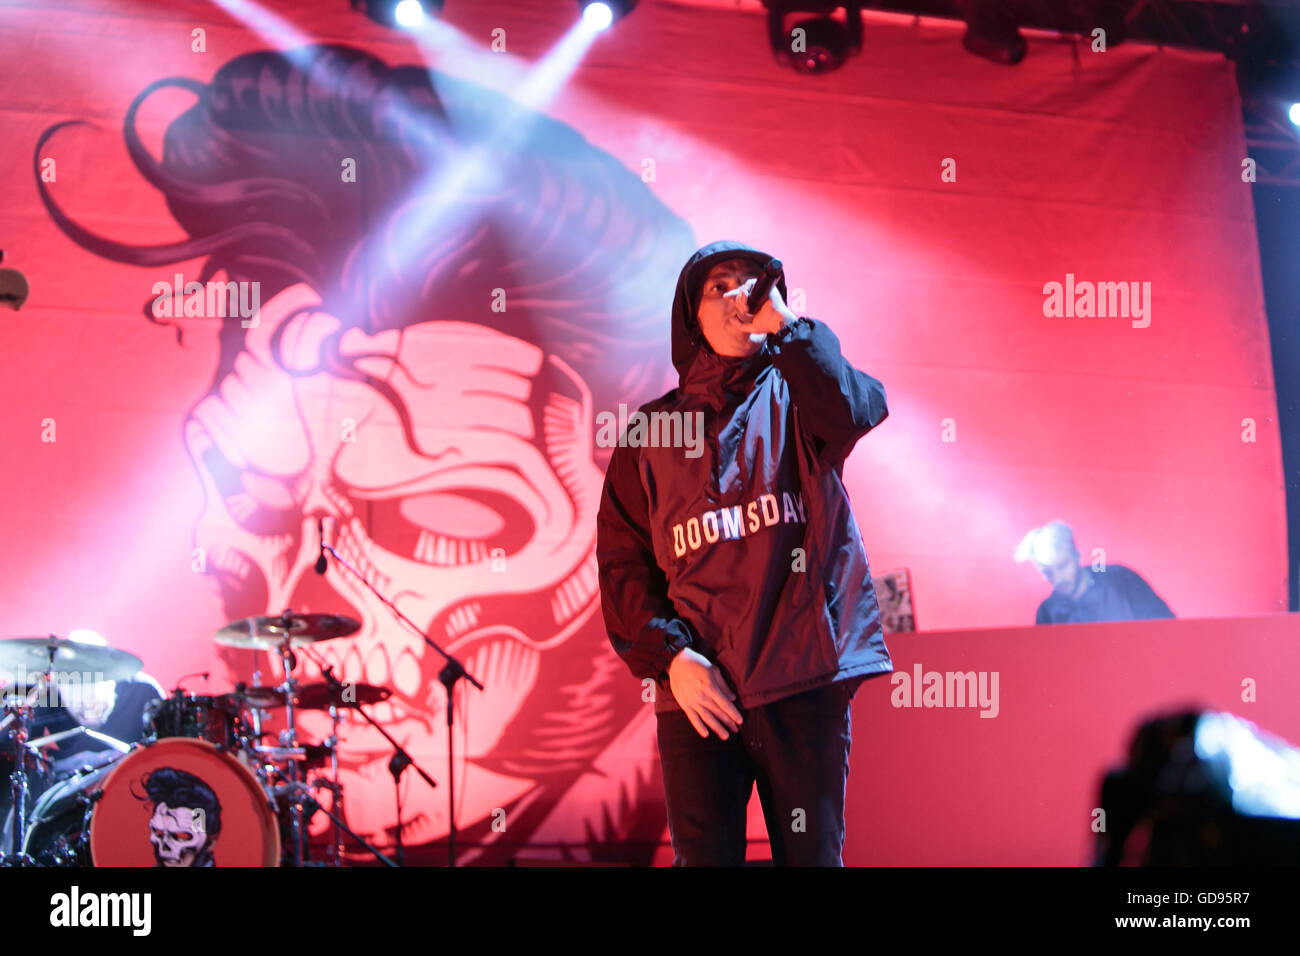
111	708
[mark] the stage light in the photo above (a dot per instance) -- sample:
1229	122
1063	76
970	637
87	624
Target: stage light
597	15
407	14
826	46
1294	113
818	44
993	32
14	289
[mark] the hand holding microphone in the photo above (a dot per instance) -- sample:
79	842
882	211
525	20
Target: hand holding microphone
756	294
761	299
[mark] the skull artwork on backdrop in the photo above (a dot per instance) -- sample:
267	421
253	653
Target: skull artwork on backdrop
455	473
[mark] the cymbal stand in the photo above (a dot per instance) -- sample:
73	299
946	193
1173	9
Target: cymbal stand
24	755
336	802
18	787
289	738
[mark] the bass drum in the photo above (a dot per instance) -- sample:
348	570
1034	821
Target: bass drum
182	802
177	802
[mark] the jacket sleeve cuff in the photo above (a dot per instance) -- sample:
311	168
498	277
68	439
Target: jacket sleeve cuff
676	640
798	329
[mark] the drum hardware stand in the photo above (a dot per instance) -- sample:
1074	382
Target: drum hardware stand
336	788
289	738
453	671
18	789
332	742
302	797
23	755
81	851
336	803
257	714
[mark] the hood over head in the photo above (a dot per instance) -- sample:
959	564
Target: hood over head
687	338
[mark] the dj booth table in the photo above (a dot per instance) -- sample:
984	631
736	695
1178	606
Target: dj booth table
943	785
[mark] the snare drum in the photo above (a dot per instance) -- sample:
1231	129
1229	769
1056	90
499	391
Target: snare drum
175	803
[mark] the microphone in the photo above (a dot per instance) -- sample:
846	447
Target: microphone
321	564
758	295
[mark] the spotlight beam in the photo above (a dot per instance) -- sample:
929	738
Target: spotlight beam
279	33
432	201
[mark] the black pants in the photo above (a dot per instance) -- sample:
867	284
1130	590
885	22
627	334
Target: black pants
796	750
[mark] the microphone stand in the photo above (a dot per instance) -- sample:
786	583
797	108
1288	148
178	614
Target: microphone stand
452	671
396	764
400	758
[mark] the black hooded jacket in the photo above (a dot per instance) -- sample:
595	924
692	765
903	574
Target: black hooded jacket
747	552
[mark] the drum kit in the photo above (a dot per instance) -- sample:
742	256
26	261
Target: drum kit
207	784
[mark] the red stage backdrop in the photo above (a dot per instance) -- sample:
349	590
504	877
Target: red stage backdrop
454	271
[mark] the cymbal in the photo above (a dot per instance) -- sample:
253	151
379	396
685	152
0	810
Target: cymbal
88	661
270	633
261	698
320	695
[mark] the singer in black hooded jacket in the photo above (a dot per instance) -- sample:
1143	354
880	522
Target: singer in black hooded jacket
732	572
